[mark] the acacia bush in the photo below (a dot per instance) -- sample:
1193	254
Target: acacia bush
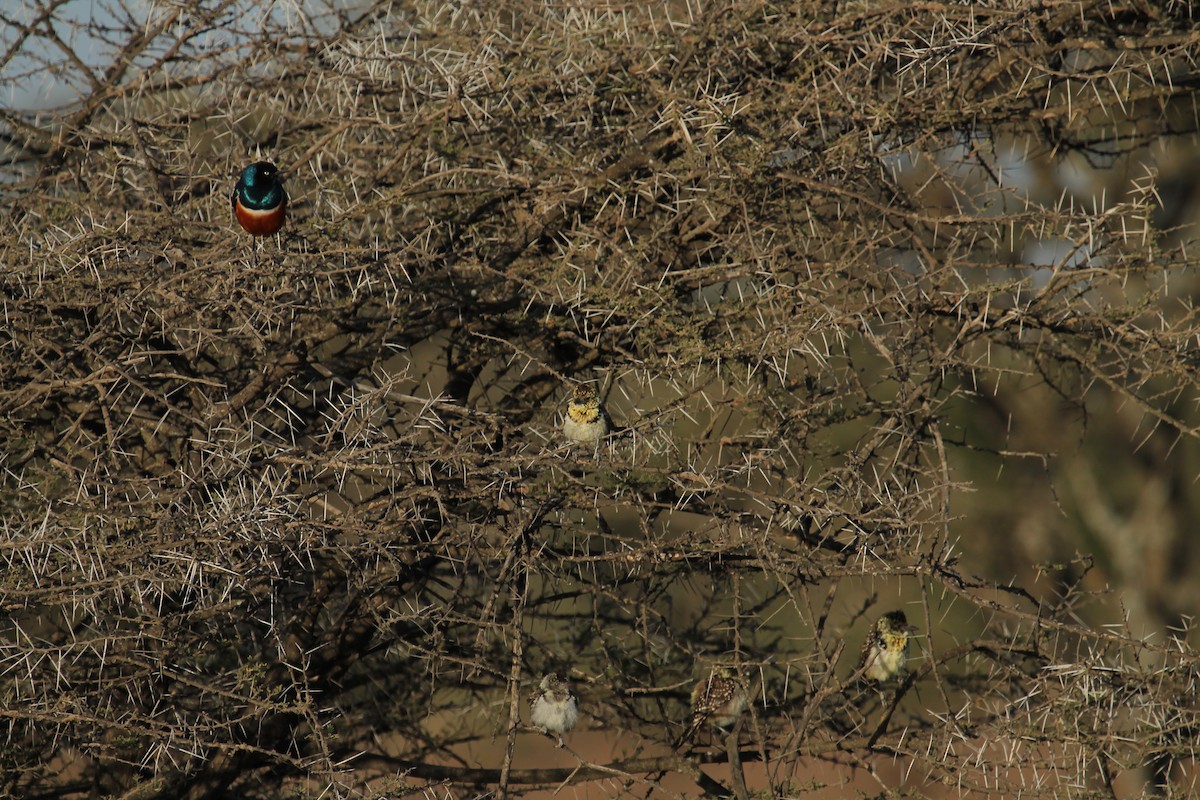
892	305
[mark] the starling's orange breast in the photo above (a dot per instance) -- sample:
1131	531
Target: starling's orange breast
260	223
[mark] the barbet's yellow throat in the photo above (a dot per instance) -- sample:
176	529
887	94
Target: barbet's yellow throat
885	652
586	421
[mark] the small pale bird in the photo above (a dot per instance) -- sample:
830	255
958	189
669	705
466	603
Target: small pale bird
885	652
718	700
586	421
552	707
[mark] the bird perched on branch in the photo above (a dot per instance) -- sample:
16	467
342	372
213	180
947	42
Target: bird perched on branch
718	700
586	421
259	199
552	707
885	652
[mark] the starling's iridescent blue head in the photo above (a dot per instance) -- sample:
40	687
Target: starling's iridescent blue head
259	187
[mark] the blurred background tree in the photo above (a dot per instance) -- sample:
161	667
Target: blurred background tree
893	305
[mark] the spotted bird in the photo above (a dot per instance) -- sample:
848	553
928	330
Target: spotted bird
717	701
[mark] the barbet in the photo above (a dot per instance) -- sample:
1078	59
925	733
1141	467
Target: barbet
586	421
885	652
